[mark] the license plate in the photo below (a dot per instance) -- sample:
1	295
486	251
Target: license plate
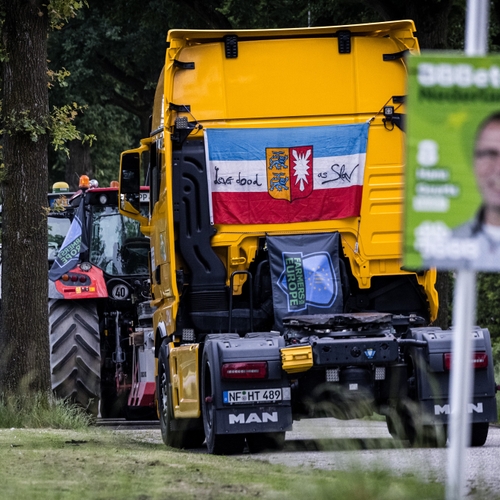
253	396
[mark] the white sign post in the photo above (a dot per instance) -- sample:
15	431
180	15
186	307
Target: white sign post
464	307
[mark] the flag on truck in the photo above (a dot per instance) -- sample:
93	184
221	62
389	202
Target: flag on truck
72	246
279	175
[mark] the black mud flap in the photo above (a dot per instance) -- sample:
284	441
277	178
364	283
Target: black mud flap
480	410
258	419
431	377
242	406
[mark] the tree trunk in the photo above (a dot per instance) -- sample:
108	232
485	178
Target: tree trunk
79	163
24	342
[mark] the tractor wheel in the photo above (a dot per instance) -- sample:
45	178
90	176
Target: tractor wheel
75	352
177	433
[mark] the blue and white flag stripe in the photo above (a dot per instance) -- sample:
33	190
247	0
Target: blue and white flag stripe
250	143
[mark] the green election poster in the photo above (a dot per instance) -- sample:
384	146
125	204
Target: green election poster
452	174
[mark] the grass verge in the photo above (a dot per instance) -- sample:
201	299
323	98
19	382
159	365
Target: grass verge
41	411
99	463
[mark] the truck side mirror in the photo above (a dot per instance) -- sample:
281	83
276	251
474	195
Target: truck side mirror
130	178
130	184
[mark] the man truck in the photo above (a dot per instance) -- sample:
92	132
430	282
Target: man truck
275	168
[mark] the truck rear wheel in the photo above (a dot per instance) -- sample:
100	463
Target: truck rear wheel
479	433
75	353
217	444
405	424
177	433
266	441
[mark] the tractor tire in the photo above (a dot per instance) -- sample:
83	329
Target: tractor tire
75	352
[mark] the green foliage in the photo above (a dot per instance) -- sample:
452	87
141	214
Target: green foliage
59	125
40	411
59	77
294	13
60	11
23	122
488	303
63	129
487	306
114	52
3	53
496	363
113	131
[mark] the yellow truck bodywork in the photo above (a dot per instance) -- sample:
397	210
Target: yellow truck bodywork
280	78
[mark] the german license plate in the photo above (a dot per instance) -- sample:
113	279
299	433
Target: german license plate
253	396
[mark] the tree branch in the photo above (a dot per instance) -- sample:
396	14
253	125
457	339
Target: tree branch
129	105
114	71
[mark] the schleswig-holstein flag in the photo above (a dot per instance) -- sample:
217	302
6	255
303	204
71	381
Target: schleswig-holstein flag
277	175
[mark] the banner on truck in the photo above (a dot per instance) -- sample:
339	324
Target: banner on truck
305	274
452	176
279	175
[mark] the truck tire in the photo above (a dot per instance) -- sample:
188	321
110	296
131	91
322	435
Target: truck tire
172	431
217	444
395	427
405	424
479	433
266	441
75	353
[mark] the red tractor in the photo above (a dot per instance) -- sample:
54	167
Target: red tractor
101	350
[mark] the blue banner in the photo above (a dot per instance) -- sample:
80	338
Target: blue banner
73	245
305	274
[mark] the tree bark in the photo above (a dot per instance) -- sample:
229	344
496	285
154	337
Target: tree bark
24	343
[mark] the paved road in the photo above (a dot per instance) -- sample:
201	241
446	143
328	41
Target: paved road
368	444
340	445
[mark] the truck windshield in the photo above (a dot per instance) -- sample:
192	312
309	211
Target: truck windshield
117	245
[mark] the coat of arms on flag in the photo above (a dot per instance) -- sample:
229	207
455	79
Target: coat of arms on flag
279	175
289	172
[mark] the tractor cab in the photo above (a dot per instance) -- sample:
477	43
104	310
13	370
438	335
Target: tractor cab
59	217
114	243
